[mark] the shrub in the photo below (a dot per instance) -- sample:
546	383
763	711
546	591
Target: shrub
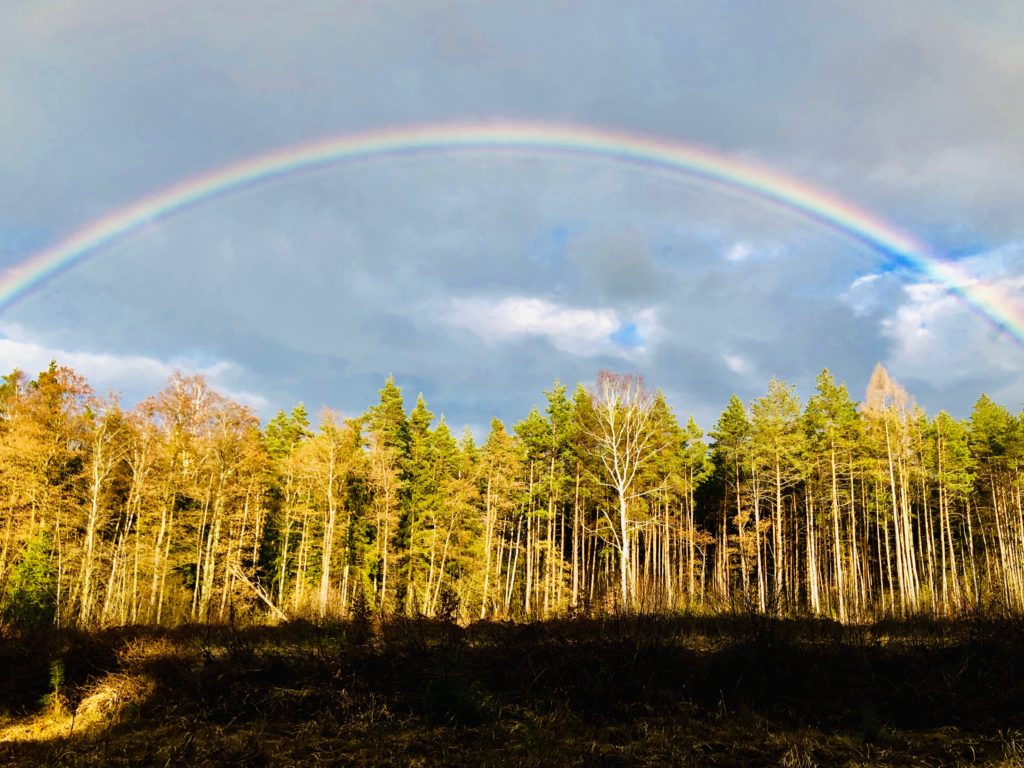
31	599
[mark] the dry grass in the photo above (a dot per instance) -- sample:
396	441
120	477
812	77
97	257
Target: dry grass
52	723
642	692
112	696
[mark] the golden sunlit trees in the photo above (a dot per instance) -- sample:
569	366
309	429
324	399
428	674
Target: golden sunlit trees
183	508
996	442
891	425
695	470
623	443
283	435
500	471
327	464
731	451
388	437
953	466
776	467
829	424
106	452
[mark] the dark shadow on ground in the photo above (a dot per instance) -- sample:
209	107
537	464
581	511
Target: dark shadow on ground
738	690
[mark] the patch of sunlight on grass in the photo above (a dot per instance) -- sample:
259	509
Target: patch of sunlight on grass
54	722
104	704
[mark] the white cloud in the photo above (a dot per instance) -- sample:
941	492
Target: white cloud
115	372
737	363
864	281
933	323
740	251
585	332
865	294
937	336
937	339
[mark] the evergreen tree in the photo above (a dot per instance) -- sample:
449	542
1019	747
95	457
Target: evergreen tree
501	472
730	451
830	422
389	457
775	468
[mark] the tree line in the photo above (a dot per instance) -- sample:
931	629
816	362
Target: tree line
184	508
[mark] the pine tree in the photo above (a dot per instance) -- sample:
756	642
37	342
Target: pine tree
534	434
953	465
389	441
697	468
415	527
501	471
776	468
830	423
731	454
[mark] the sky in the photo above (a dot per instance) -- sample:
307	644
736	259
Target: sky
478	278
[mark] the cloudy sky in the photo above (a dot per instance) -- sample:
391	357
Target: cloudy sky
478	278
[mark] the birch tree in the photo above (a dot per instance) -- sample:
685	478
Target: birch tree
623	443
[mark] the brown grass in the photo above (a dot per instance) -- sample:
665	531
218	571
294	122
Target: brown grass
611	692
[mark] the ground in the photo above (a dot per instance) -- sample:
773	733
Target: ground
702	691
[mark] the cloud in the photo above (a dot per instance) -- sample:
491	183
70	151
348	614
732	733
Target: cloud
316	285
737	363
950	354
139	375
932	316
578	331
614	264
875	292
738	252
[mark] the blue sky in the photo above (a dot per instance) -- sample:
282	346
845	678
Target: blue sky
478	279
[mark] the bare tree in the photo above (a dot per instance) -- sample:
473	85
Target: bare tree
623	442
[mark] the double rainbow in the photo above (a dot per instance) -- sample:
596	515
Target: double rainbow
989	300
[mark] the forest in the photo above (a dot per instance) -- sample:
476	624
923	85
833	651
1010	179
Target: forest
185	509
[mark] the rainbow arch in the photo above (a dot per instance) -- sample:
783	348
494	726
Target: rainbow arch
742	175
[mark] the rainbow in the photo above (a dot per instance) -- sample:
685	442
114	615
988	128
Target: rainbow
741	175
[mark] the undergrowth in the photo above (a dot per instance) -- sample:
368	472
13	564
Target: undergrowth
654	690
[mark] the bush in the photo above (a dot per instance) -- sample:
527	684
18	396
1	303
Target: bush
31	599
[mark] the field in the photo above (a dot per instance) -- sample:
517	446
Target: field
728	691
